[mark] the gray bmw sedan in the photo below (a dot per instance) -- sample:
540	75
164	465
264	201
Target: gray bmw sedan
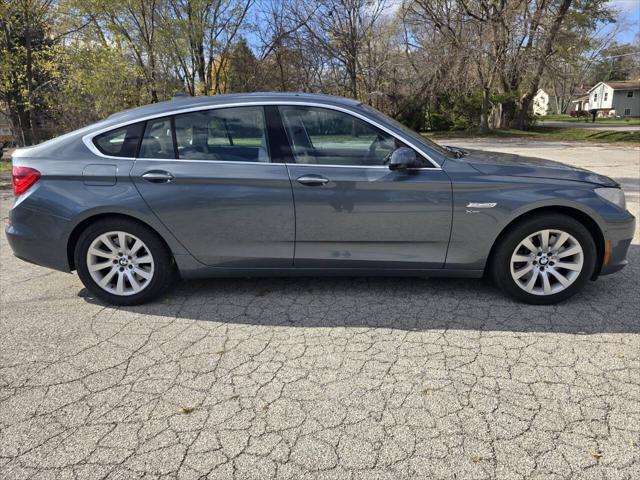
295	184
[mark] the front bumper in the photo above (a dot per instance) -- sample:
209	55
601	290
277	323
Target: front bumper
619	237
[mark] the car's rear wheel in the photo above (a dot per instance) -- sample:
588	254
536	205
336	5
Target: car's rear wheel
544	259
123	262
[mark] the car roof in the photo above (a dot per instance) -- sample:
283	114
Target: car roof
185	101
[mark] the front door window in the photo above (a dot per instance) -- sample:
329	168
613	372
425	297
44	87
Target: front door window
322	136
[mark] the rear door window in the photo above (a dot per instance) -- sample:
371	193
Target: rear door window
158	140
228	134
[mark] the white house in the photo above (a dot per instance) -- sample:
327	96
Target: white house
618	98
580	104
544	103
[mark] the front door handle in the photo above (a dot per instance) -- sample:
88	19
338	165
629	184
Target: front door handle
313	180
158	176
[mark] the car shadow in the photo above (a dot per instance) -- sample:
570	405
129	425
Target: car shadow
608	305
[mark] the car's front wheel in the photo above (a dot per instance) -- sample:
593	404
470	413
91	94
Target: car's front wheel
544	259
123	262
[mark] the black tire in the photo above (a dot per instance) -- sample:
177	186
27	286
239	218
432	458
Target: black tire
163	271
501	260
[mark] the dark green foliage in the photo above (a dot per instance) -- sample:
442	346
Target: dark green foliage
440	122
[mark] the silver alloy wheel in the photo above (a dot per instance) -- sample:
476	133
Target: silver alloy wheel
120	263
547	262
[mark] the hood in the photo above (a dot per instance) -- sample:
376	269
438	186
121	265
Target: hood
494	163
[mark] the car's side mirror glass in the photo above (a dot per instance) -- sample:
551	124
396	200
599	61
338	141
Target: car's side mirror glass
404	158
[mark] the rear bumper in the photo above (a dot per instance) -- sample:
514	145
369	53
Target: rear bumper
38	238
620	236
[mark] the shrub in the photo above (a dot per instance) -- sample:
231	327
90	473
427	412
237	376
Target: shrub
461	122
439	121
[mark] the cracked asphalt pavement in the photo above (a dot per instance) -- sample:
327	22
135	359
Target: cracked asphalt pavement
348	378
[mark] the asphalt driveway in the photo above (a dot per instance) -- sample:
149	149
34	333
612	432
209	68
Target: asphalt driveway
324	378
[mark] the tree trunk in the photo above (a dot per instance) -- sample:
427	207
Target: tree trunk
153	90
527	98
20	122
353	78
28	118
484	116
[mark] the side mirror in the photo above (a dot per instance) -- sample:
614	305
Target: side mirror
404	158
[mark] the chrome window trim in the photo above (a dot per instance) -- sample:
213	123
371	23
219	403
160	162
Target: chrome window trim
232	162
385	167
193	160
88	139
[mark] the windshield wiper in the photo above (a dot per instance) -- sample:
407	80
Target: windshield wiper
457	151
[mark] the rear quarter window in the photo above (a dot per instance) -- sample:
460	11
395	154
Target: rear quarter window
121	142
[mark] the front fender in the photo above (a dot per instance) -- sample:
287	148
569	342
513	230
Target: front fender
475	230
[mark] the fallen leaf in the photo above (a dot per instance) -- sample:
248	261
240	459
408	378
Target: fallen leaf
476	459
596	454
186	410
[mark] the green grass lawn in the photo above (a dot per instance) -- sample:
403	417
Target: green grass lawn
603	121
549	133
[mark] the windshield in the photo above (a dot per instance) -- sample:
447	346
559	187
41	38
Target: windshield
408	132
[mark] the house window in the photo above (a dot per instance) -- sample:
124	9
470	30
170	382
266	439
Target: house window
630	94
627	112
606	94
595	97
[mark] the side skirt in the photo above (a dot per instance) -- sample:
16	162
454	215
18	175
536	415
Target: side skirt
190	268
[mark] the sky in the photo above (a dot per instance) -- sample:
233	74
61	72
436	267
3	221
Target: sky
630	17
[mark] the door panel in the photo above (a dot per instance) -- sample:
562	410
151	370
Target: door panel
225	215
226	212
351	210
371	217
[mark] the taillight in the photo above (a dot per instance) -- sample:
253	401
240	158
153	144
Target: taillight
23	179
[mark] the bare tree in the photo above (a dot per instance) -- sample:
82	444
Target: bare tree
477	28
136	22
209	28
546	51
342	28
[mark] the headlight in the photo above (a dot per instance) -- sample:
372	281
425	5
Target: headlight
613	195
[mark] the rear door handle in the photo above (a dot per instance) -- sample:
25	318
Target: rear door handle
158	176
313	180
